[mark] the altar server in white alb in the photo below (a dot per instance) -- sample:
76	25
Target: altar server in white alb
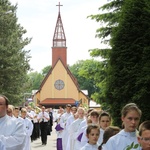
2	146
28	128
94	116
74	129
72	118
62	122
92	133
12	132
131	115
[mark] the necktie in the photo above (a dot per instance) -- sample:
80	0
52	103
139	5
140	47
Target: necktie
43	117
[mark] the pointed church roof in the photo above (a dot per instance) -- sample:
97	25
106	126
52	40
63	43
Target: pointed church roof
68	71
59	39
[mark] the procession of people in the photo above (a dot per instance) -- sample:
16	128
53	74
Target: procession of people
77	128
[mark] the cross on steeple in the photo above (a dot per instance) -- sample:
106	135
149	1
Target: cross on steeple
59	49
59	6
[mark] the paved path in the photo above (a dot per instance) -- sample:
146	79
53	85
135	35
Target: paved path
51	143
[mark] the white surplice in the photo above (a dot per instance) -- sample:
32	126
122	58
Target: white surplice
12	133
28	128
62	122
73	131
89	147
84	138
69	139
121	141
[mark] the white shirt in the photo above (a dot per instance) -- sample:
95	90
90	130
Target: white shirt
12	133
89	147
121	141
43	116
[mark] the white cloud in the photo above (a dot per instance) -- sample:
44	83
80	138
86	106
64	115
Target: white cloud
39	18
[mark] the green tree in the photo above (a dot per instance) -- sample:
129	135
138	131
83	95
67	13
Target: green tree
129	66
45	70
108	18
86	73
84	83
35	80
14	60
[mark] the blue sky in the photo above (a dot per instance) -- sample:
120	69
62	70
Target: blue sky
39	18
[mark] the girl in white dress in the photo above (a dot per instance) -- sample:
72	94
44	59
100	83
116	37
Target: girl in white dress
127	137
92	135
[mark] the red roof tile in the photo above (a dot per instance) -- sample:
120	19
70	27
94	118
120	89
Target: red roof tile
57	101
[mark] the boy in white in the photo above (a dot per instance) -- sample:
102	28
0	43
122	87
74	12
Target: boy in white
72	118
62	123
74	127
28	128
94	116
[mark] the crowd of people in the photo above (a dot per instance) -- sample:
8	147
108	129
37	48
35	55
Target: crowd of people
19	126
80	129
77	128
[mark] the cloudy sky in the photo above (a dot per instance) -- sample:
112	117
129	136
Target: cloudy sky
39	18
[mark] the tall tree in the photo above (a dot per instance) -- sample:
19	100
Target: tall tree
35	79
108	18
129	65
45	70
86	73
14	60
84	83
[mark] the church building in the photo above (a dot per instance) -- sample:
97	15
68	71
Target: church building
59	86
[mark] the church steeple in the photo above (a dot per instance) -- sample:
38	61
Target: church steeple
59	41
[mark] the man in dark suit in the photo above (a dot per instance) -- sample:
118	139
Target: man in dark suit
43	118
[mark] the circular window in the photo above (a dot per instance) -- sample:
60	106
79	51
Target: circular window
59	84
